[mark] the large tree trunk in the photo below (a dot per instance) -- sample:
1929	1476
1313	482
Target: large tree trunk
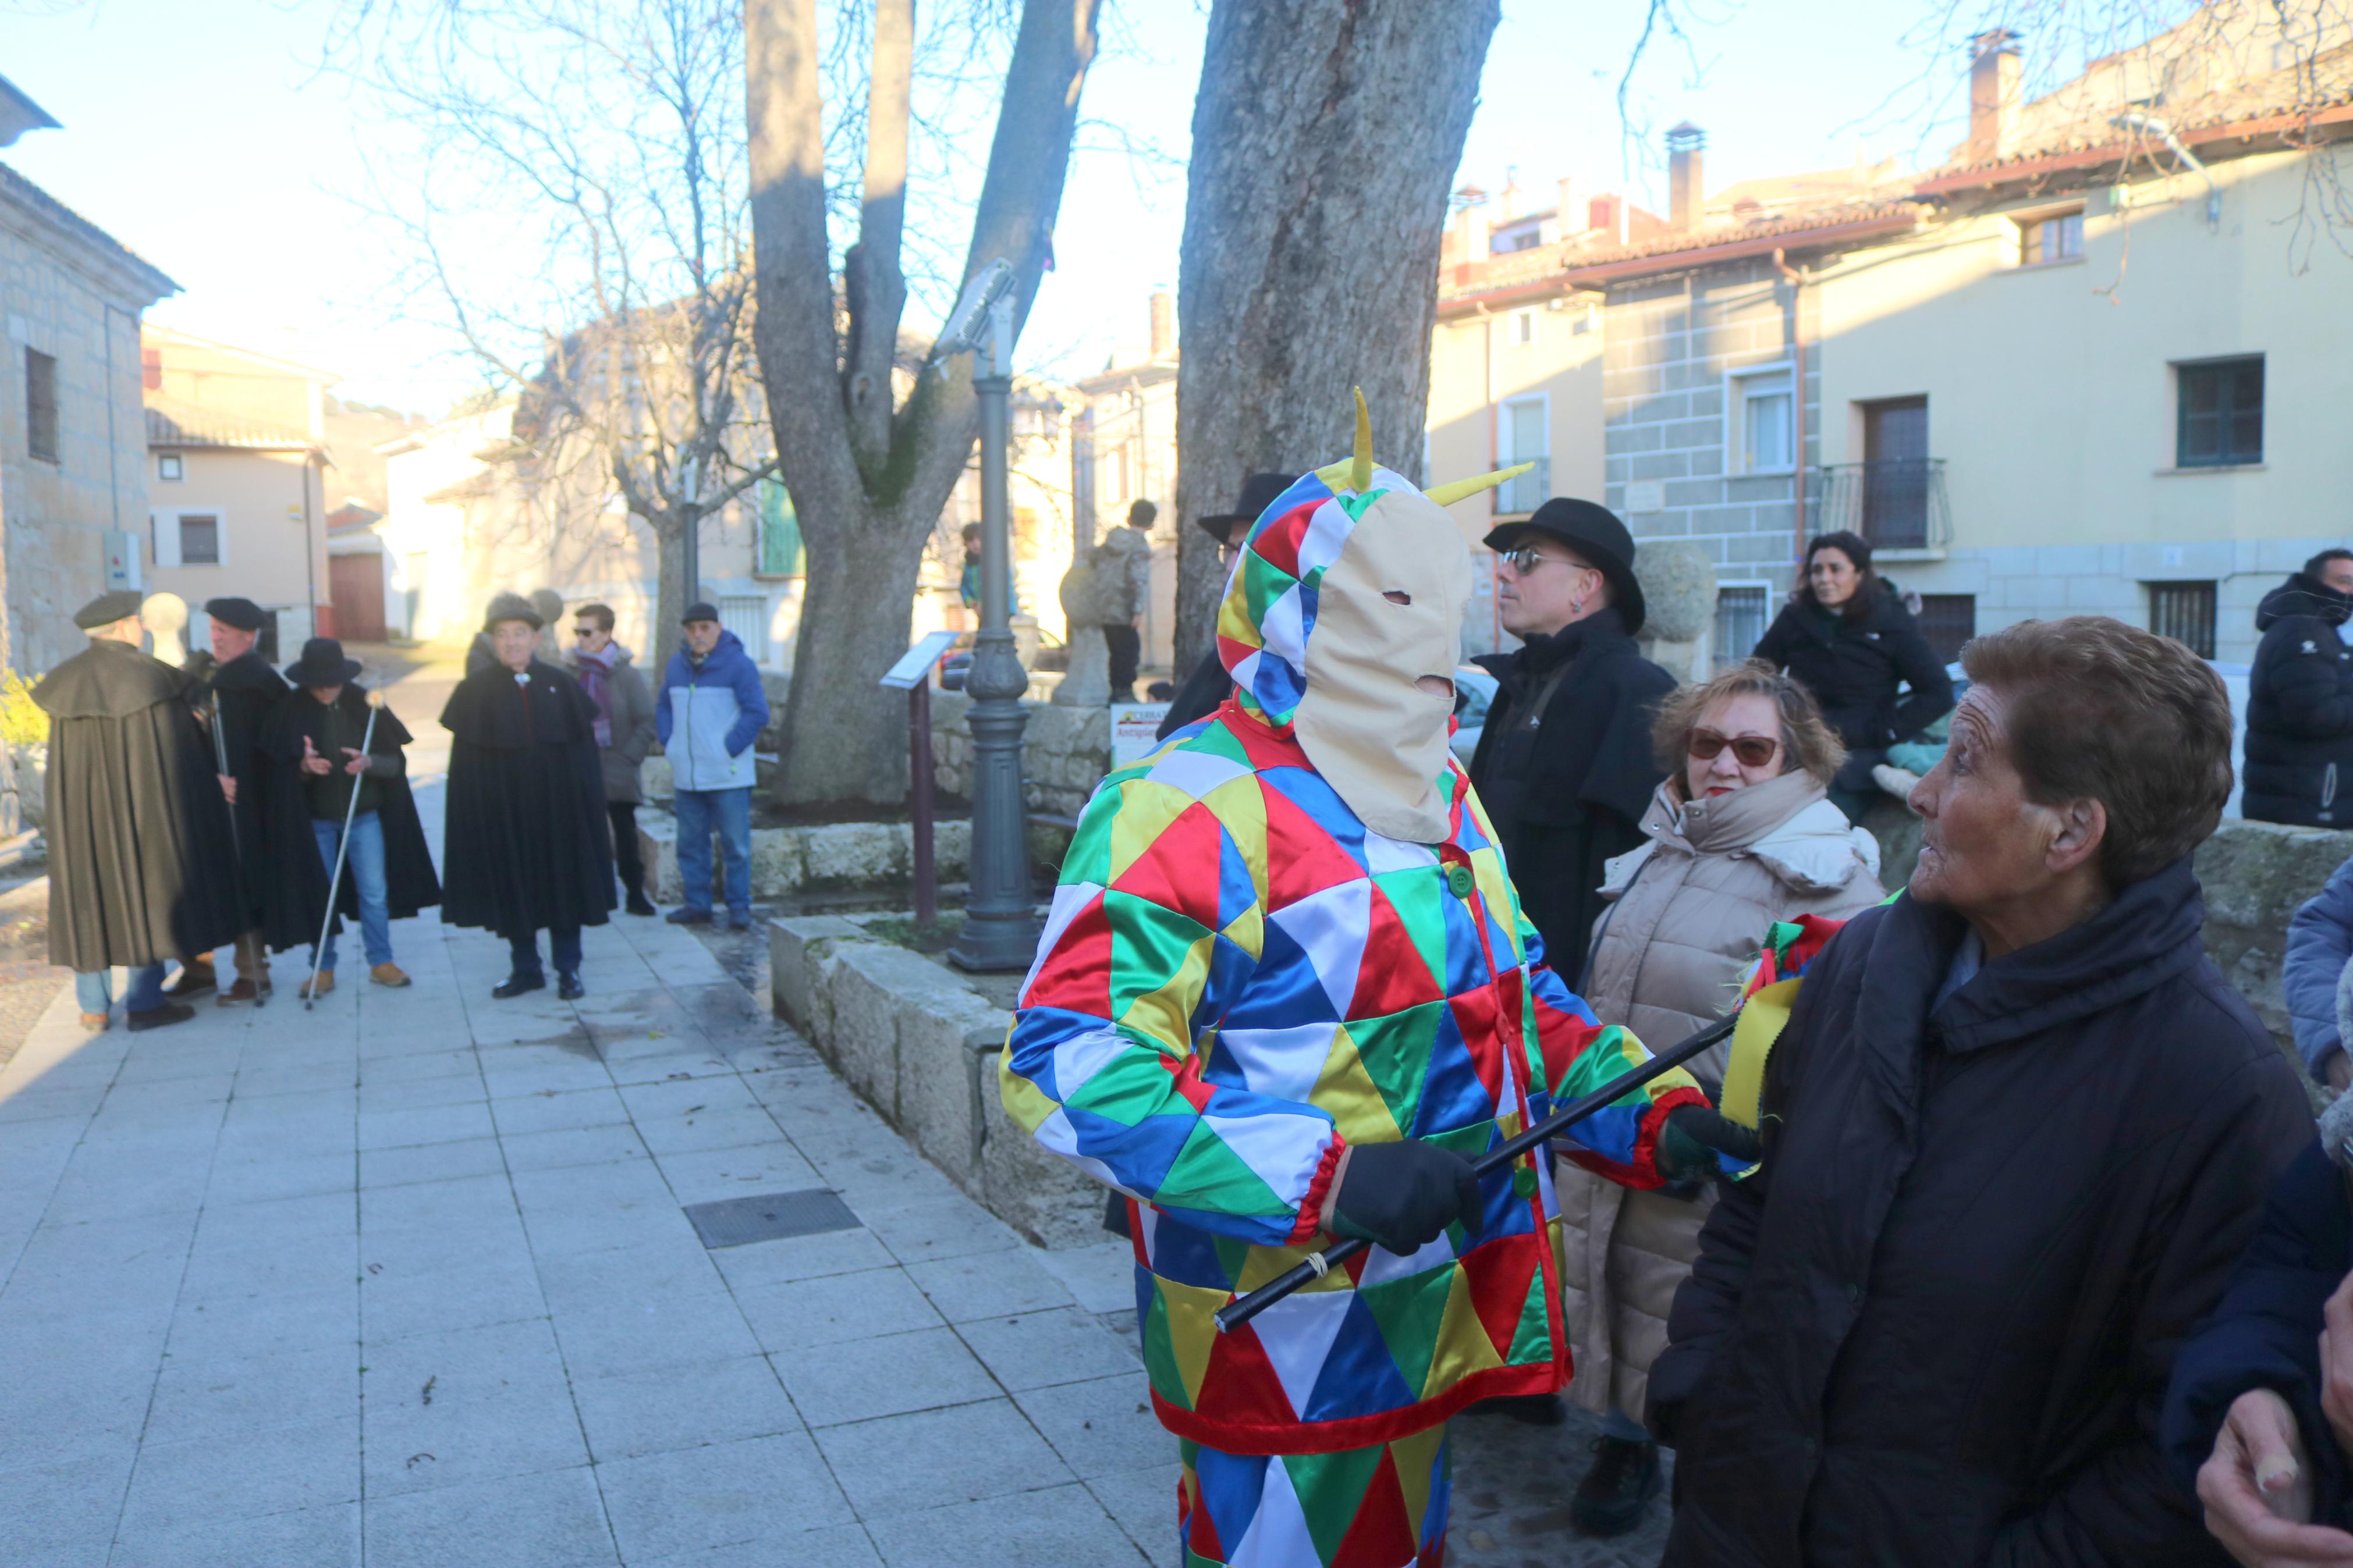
1324	135
865	512
672	594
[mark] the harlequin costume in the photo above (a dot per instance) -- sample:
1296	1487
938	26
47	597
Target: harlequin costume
1287	934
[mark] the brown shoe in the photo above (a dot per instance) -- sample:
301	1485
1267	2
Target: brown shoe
243	991
388	974
196	978
94	1022
311	989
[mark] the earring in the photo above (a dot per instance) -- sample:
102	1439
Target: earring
1576	608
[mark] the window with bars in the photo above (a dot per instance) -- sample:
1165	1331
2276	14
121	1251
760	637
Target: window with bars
2220	413
1739	622
780	531
42	405
1948	620
2184	611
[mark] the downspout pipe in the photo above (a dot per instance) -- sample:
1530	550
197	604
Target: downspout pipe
1797	281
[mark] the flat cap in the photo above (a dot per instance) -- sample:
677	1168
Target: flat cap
243	613
108	608
511	607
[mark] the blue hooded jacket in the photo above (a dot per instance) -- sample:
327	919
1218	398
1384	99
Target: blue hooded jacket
709	714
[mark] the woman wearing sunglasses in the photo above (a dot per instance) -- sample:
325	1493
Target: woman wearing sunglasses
1741	834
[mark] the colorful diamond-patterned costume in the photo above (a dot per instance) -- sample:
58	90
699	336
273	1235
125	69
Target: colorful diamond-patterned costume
1239	978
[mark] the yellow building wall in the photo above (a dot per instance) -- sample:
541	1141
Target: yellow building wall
258	497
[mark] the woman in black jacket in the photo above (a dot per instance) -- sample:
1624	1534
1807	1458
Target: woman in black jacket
2300	699
2016	1133
1846	638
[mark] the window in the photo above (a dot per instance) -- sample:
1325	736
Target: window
780	531
199	539
1526	436
1763	421
167	466
1739	622
2058	238
2220	413
42	405
1524	327
1948	620
2184	611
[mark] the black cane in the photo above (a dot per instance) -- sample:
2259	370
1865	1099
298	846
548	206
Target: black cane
1242	1309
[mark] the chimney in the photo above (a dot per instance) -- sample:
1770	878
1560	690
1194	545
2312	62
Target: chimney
1163	323
1469	213
1993	94
1685	184
1564	214
1604	214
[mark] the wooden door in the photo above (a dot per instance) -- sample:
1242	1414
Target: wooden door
1895	472
355	584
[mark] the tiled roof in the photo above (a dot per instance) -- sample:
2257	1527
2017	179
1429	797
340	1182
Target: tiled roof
172	422
1728	241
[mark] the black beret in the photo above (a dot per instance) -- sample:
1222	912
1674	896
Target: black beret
243	613
108	608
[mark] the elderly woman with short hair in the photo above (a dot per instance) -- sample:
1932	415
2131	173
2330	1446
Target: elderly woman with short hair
1741	834
2017	1130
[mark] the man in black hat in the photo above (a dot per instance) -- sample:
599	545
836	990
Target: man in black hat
141	870
527	843
1565	764
245	694
327	767
1206	687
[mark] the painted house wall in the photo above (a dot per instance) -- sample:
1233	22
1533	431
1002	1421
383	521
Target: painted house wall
258	498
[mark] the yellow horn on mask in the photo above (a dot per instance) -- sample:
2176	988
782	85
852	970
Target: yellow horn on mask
1454	490
1357	471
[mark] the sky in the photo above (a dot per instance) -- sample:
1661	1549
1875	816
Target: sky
201	134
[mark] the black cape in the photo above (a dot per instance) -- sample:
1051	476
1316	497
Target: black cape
1569	793
141	869
1203	693
298	873
245	693
527	842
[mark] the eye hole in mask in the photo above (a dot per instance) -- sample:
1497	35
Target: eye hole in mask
1396	597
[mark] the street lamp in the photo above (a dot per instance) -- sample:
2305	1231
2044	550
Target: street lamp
1000	927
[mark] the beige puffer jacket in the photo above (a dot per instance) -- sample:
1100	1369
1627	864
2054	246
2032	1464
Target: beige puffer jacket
1687	912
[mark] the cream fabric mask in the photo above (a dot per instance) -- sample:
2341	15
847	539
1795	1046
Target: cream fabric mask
1389	610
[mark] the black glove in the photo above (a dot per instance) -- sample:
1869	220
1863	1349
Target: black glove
1692	1137
1402	1197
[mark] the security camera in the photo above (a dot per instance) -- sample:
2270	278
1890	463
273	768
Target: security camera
968	324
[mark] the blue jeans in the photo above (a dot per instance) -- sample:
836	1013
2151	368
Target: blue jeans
95	991
563	946
363	864
730	812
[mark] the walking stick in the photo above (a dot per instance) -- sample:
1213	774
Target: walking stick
342	848
1242	1309
235	840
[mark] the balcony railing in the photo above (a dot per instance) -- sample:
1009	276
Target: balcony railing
1529	491
1896	503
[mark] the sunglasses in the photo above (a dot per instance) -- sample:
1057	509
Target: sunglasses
1750	751
585	631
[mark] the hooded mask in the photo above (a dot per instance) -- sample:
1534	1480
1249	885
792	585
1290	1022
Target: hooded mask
1350	586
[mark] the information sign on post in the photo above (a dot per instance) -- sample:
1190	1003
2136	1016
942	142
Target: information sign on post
1132	730
912	675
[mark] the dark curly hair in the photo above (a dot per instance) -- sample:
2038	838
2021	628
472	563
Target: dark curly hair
1855	548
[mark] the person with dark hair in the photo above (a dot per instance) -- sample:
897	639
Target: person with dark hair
1846	637
1565	766
712	707
245	693
528	843
2016	1131
141	868
624	735
1123	580
1205	690
1739	836
327	768
2300	699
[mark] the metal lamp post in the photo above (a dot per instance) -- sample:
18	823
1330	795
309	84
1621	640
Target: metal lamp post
1000	926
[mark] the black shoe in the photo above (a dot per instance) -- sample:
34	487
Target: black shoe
1618	1489
170	1012
739	919
638	906
568	987
1527	1409
688	915
516	984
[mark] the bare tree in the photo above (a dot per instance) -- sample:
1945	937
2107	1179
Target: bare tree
1325	136
869	457
605	138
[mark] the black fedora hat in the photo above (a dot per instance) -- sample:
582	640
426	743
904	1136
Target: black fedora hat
1599	538
322	664
1258	493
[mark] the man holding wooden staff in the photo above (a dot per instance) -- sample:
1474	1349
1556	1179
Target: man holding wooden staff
1285	994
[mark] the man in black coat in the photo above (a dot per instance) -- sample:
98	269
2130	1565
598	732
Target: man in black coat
1565	764
2016	1131
141	869
245	692
527	843
327	767
2300	699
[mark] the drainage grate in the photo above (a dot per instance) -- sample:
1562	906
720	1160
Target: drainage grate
769	1216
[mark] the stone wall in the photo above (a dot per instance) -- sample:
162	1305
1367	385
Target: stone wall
921	1047
845	858
1065	752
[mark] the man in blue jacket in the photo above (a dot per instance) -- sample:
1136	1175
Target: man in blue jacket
711	707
